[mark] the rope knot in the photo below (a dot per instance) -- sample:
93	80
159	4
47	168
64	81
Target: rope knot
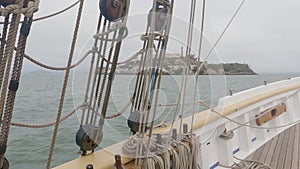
32	7
116	26
13	8
135	143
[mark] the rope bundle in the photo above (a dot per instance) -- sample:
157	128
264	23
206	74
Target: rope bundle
154	162
8	97
250	165
13	8
247	164
32	7
184	154
131	146
176	155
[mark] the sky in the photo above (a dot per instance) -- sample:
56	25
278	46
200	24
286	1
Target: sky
265	34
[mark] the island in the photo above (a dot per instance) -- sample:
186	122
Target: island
174	64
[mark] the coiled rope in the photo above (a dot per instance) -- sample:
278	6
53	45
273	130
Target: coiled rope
154	162
162	156
247	164
130	147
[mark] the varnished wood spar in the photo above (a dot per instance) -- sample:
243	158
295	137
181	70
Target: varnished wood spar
270	114
282	152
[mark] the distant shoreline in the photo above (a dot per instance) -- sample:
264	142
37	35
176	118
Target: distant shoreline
174	65
242	74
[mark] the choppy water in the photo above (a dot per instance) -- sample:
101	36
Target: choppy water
38	99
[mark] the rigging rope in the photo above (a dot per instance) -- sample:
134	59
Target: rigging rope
91	71
242	124
2	70
28	11
3	38
102	70
178	103
150	71
2	57
220	37
100	82
104	78
51	123
167	26
196	85
202	29
91	67
200	49
59	68
18	70
31	59
188	54
245	125
214	46
97	77
121	112
257	117
14	83
65	83
57	13
54	14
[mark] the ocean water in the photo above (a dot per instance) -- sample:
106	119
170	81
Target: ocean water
39	94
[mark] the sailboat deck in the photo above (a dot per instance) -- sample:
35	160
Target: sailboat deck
282	152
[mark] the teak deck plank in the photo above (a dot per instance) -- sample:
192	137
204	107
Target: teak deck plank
271	151
277	151
258	153
281	152
296	149
264	153
289	154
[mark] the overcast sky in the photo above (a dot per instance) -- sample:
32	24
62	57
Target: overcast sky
265	34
